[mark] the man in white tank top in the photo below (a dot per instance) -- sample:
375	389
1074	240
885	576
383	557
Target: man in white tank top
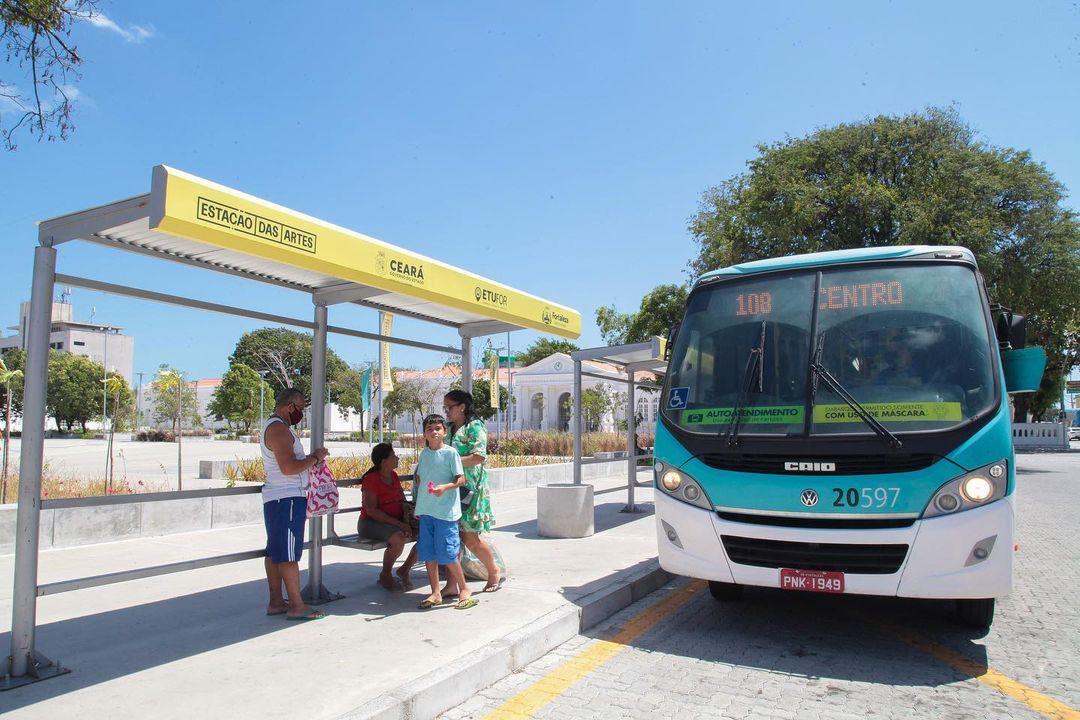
285	504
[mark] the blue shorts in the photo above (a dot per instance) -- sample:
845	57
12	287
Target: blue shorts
284	520
439	541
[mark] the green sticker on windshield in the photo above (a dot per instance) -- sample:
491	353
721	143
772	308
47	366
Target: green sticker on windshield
892	412
765	415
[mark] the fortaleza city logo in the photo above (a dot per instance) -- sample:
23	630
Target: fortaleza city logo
550	316
491	297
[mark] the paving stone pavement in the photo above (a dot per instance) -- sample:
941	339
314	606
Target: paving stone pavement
782	655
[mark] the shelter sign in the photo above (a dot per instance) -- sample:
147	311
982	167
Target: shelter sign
203	211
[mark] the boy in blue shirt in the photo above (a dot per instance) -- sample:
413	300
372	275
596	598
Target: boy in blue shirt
438	476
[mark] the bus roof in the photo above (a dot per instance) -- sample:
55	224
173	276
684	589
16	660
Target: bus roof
837	257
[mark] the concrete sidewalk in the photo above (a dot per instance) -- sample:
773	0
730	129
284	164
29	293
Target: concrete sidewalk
199	644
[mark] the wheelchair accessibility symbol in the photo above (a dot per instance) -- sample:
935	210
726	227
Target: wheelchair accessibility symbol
678	397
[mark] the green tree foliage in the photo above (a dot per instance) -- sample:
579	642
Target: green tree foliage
595	401
285	356
167	406
36	35
404	400
345	390
75	388
660	309
236	400
921	179
121	405
481	392
542	348
15	359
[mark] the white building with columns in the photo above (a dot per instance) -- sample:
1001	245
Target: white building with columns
541	393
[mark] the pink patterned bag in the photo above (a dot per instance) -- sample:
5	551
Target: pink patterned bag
322	491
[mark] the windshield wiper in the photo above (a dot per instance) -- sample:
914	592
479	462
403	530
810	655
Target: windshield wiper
753	365
821	372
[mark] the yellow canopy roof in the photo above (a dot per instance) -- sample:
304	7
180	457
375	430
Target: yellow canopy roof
198	222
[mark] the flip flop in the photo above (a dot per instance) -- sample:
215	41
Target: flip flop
313	615
428	604
466	604
496	587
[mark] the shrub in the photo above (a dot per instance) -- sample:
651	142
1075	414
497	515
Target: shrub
560	444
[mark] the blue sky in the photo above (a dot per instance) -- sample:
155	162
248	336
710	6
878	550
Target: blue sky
559	147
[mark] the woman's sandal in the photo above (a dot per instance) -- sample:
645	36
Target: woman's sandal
429	603
466	603
313	615
496	587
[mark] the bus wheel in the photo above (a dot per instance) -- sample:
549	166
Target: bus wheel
725	591
978	614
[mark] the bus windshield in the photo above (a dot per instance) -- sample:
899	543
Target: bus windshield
908	342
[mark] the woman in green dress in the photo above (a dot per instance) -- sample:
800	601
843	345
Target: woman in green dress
469	437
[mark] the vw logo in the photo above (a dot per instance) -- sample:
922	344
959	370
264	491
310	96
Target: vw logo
809	497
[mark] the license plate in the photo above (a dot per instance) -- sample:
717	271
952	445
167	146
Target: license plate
811	580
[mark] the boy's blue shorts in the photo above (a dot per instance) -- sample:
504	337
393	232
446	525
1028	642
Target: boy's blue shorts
439	541
284	520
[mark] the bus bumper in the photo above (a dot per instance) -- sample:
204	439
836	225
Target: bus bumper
939	562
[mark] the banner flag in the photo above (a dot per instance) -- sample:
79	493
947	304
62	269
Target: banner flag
386	384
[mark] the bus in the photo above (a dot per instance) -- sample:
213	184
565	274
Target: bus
838	422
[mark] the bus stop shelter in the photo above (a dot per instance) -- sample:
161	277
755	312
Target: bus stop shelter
188	220
629	359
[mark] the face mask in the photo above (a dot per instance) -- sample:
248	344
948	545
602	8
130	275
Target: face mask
295	416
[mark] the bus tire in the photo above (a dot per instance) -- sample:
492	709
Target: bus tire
725	591
977	614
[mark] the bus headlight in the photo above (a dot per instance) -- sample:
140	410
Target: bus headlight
977	489
974	489
682	487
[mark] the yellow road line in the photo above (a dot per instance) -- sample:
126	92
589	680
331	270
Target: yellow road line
1005	685
558	680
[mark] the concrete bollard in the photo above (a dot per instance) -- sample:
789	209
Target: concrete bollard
564	510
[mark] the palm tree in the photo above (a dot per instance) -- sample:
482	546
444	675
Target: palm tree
6	377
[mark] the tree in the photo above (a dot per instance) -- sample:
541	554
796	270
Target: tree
345	388
544	347
481	392
168	405
920	179
15	359
404	400
285	355
10	377
37	35
74	394
660	309
595	401
236	400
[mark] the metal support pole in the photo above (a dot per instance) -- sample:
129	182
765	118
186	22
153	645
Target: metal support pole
631	442
315	593
26	664
381	423
466	364
577	422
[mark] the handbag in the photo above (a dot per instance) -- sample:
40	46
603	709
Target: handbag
465	495
322	491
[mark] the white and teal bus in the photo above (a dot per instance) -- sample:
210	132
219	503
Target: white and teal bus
838	422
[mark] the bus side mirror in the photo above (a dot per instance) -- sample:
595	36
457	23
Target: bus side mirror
1023	368
1010	328
672	334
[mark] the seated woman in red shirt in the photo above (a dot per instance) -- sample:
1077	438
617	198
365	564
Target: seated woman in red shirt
382	516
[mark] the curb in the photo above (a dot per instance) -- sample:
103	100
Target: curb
437	692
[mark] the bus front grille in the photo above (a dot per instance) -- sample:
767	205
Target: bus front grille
838	557
843	464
